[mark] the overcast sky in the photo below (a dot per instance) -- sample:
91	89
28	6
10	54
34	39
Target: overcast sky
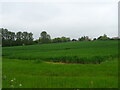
70	18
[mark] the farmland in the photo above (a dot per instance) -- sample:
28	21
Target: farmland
61	65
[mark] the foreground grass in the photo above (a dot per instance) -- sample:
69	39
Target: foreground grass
95	65
45	75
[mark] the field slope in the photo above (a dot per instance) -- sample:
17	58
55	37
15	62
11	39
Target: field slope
85	65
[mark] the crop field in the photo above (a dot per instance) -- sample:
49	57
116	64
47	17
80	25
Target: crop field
85	64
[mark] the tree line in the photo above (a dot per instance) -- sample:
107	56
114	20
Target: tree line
15	39
24	38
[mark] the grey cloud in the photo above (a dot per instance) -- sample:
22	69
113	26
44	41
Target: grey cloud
62	19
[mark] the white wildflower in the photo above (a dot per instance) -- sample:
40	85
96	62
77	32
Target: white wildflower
20	85
12	80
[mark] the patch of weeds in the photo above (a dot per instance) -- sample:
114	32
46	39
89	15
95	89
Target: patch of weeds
80	60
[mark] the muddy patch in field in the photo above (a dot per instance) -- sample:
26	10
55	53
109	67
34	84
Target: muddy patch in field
63	63
55	63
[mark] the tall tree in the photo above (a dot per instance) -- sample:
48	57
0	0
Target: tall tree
44	37
25	38
30	38
11	39
104	37
84	38
19	38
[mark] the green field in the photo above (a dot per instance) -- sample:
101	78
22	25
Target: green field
91	64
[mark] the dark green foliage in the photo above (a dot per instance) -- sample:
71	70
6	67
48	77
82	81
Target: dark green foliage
8	37
44	37
80	60
24	38
84	38
104	37
20	38
74	40
62	39
94	39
